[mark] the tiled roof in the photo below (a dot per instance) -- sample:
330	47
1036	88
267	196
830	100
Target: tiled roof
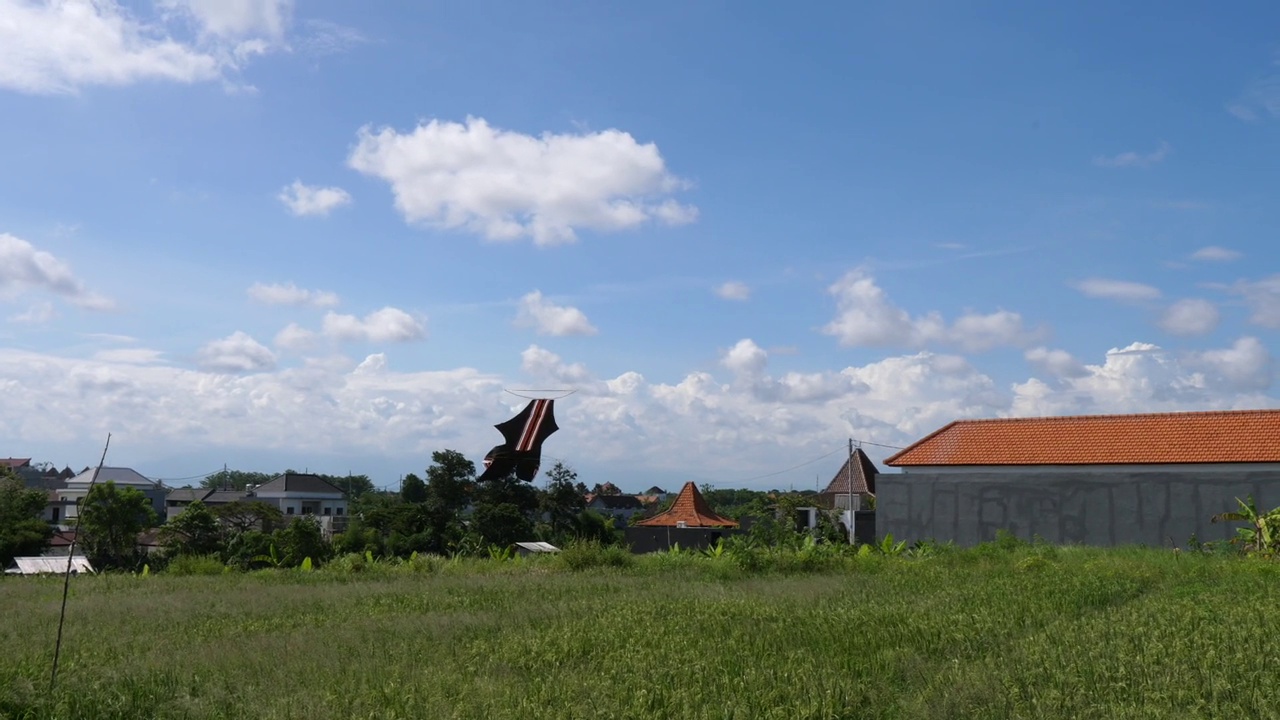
14	463
691	509
188	494
298	482
861	469
1238	436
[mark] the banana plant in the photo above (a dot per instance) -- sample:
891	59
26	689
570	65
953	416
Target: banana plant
1263	534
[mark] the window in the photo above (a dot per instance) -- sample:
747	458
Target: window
288	510
327	511
339	511
55	514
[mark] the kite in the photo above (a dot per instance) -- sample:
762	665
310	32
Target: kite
524	434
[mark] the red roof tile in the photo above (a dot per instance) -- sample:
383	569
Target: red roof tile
691	509
1238	436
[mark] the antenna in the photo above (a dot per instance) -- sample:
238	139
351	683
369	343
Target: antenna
71	553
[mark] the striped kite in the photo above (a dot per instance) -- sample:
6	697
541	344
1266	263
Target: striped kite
522	451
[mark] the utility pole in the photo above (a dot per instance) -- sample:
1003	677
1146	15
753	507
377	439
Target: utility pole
849	478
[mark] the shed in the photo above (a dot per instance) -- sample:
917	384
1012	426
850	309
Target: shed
44	565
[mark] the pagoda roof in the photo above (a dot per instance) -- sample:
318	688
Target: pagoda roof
690	509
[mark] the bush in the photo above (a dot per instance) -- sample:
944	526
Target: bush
196	565
583	554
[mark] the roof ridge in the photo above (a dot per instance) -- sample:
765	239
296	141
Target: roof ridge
1099	416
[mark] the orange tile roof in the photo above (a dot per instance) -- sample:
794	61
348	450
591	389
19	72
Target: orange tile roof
863	473
691	509
1237	436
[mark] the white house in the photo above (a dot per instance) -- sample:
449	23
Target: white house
302	494
78	486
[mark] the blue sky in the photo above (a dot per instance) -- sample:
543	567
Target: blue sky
315	234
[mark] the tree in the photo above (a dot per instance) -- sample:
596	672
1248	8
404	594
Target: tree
22	530
503	510
110	519
413	489
300	540
245	515
561	501
194	531
234	479
450	479
606	489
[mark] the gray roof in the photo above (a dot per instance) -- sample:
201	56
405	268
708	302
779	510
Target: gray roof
298	482
222	497
618	502
118	475
188	494
863	473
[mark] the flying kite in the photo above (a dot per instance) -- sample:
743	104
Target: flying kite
524	434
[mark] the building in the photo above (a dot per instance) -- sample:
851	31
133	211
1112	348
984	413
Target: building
689	521
619	507
1153	479
78	486
301	494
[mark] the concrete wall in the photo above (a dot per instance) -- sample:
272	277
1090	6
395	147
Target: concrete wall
1088	508
655	539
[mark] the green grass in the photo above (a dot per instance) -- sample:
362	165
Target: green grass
988	633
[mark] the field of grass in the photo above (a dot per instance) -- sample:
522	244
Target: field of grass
988	633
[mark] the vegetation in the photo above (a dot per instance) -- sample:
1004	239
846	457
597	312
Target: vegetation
22	529
807	631
110	519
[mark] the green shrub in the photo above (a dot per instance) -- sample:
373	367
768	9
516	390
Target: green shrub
196	565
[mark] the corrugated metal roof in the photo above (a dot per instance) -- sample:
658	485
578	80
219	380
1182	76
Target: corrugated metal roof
538	547
43	564
1234	436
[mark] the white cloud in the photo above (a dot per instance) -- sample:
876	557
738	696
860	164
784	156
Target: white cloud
737	422
236	353
1058	363
550	319
290	294
132	356
734	290
1246	365
305	200
24	268
1192	316
386	325
1215	253
295	338
38	314
1143	377
504	185
867	318
1263	298
1133	159
1116	289
236	19
58	47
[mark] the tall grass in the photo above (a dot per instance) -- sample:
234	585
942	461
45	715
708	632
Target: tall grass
1029	632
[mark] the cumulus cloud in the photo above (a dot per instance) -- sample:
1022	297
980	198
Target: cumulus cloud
1192	316
1116	289
866	317
505	185
547	318
1133	159
734	290
302	200
236	353
386	325
1263	299
295	338
1143	377
59	47
290	294
1058	363
24	268
1214	253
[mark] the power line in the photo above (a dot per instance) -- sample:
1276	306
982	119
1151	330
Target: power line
794	467
868	442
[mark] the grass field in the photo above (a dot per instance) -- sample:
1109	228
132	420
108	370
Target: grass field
1026	633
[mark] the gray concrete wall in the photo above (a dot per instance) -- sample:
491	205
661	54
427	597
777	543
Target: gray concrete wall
1086	508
